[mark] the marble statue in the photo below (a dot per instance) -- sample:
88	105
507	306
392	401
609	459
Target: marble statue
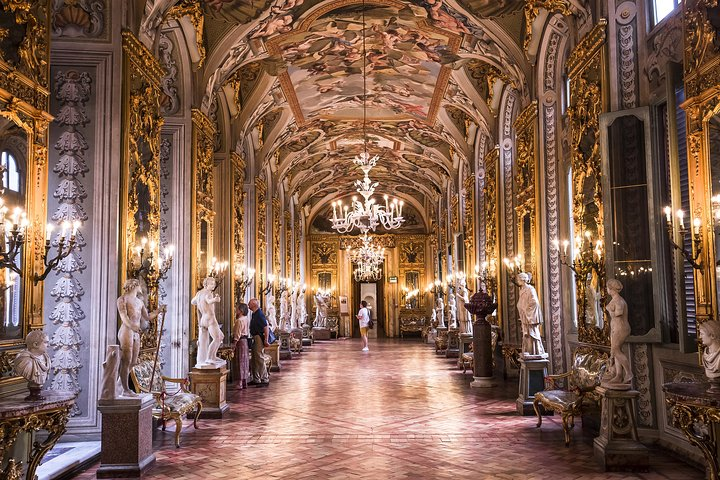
294	323
451	312
618	374
33	364
134	317
440	312
321	310
301	308
710	337
205	301
110	386
464	295
433	318
530	318
285	311
270	311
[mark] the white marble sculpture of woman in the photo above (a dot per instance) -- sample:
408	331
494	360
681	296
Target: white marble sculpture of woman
464	296
270	311
451	312
618	374
205	301
285	324
301	308
294	323
530	318
33	364
321	309
440	311
710	337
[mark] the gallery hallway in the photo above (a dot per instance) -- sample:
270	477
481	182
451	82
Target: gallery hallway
396	412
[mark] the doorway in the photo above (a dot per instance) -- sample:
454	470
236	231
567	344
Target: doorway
374	294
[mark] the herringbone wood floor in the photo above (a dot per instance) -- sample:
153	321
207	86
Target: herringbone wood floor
397	412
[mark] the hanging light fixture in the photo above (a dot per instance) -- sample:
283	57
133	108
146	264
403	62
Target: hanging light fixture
368	260
366	215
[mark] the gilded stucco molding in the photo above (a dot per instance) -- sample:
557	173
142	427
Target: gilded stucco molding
276	232
194	12
261	226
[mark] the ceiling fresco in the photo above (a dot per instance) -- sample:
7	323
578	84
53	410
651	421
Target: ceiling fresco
432	71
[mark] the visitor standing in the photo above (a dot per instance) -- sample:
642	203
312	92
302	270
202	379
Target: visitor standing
241	336
363	317
260	332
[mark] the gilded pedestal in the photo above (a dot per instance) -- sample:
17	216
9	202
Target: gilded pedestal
274	352
126	450
692	406
18	417
618	447
532	380
210	384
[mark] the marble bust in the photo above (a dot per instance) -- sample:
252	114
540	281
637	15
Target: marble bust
205	301
33	364
710	337
530	319
618	374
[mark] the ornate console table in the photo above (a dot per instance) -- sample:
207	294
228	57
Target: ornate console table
18	416
692	404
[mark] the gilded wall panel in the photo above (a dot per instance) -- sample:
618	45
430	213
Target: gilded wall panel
276	232
525	191
261	222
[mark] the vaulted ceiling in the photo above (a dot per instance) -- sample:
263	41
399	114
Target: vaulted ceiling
292	74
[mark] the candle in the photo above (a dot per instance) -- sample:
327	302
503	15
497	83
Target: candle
681	215
48	232
402	202
143	242
65	226
696	226
566	243
668	214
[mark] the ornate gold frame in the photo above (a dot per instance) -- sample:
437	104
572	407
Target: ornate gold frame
276	227
238	219
587	71
202	208
526	177
469	224
261	229
492	219
24	100
142	123
702	90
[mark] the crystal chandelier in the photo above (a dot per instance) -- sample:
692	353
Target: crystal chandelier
368	260
366	215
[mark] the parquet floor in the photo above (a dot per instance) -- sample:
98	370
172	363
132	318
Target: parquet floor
396	412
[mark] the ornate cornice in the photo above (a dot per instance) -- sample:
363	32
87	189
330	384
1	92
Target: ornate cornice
586	49
142	59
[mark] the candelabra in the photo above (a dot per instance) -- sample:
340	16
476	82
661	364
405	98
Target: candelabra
8	280
217	271
486	277
513	268
691	258
284	284
151	266
243	278
63	248
269	285
585	258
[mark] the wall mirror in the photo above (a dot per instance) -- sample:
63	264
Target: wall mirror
324	280
713	135
13	168
203	250
412	282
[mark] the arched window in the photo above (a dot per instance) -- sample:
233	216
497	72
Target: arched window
11	173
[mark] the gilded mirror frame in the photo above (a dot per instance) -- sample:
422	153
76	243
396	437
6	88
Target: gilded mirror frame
526	178
24	101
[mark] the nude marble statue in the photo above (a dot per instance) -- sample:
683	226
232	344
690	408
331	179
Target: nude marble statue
205	301
618	374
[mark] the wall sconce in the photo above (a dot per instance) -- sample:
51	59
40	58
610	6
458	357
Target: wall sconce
217	271
243	278
696	236
152	267
513	268
269	285
585	257
435	288
63	249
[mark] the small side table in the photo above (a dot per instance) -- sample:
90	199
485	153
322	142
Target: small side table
18	415
691	403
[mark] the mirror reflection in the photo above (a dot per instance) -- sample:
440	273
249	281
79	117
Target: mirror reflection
714	154
13	155
324	280
203	257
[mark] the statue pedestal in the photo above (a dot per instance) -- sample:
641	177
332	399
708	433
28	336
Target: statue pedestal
274	351
532	380
465	342
617	447
210	384
482	355
453	345
285	352
307	335
321	333
126	450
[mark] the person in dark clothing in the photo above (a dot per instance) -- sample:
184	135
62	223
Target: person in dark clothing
259	330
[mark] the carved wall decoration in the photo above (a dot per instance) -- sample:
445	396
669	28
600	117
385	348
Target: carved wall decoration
261	226
412	252
354	241
277	225
170	102
484	76
641	372
666	47
506	170
532	10
525	191
490	199
194	12
78	18
324	253
586	67
628	78
29	23
73	92
288	244
141	169
239	194
454	212
469	223
297	233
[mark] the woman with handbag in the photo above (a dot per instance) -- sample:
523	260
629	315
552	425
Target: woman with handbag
241	336
365	322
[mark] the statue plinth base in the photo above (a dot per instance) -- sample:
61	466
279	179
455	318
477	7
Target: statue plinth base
126	450
532	380
431	336
296	344
321	333
618	447
274	351
453	345
285	352
307	335
483	382
210	384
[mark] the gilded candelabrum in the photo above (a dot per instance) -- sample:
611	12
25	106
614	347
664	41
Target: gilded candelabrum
269	284
243	277
217	271
586	258
147	263
513	268
65	246
691	258
486	278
